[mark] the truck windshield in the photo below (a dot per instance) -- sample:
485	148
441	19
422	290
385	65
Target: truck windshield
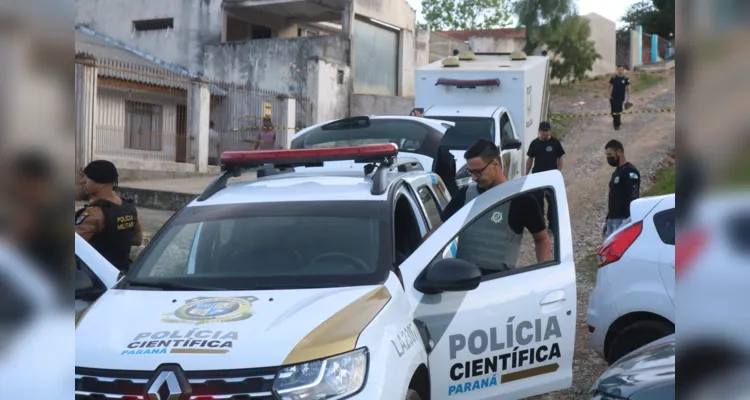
268	246
467	131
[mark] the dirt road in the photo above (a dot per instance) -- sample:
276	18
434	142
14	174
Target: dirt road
648	139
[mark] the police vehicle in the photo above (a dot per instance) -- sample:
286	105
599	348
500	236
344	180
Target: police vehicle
320	285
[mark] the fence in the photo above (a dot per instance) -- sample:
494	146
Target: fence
442	46
143	113
622	49
661	46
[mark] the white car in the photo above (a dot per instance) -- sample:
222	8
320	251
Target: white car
713	281
94	275
321	285
633	302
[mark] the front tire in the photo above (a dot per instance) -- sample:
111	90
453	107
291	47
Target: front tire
412	395
635	336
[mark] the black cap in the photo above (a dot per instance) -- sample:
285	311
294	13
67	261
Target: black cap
545	126
101	171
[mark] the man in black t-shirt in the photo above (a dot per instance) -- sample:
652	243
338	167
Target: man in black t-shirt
619	92
624	186
493	241
545	154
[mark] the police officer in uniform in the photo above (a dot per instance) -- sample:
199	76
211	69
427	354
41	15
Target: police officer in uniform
545	154
109	223
619	91
493	242
624	186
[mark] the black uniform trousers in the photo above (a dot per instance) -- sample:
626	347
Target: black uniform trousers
616	106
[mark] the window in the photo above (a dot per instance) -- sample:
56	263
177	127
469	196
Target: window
665	226
153	24
500	242
84	268
261	32
278	245
440	190
466	131
506	129
430	205
143	126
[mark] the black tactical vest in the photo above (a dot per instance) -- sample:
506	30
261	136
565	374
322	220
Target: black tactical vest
114	240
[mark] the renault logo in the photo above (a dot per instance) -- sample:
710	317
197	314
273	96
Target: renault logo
169	383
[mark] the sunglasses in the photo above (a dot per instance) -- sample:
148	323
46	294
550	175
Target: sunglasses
478	172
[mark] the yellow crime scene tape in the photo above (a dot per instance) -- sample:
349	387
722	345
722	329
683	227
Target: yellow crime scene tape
584	115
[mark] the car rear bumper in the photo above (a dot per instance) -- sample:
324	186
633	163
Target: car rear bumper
600	315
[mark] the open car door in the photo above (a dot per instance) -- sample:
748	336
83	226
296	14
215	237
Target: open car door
94	275
498	331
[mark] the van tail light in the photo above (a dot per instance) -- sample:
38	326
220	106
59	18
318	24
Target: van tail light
687	248
613	249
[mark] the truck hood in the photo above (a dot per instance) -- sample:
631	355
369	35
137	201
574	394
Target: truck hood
142	329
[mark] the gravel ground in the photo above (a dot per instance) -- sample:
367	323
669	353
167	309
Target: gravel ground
648	140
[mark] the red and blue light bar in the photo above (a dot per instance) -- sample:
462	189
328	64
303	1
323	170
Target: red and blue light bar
301	157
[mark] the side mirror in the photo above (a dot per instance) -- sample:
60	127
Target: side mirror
448	275
512	144
85	287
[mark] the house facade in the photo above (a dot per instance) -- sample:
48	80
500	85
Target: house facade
342	48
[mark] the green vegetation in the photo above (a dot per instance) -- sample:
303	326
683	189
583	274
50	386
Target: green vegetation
656	16
574	52
541	19
641	81
663	184
466	14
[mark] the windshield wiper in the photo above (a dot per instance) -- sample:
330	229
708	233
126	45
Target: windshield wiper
169	285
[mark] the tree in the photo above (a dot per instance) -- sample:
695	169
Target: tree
656	16
541	19
574	53
466	14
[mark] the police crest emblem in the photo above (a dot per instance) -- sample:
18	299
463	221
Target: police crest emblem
204	310
497	217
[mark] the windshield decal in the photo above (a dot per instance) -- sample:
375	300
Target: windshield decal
204	310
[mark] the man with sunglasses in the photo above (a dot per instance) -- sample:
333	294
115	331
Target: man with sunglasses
523	212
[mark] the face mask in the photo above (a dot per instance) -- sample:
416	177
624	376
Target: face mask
613	161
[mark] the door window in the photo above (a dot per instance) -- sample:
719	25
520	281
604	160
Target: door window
506	129
83	267
430	205
664	223
504	240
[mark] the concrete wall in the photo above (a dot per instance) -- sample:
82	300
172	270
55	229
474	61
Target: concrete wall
603	34
329	96
369	104
110	129
196	22
422	48
495	45
442	46
265	63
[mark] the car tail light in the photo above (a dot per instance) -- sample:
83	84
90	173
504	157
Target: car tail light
687	248
613	249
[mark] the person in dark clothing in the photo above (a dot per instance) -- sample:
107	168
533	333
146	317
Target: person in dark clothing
109	223
545	154
619	93
624	186
491	244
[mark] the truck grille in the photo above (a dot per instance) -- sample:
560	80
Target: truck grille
250	384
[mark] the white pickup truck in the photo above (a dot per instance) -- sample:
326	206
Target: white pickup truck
492	96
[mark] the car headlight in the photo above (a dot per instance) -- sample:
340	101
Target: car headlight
330	379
